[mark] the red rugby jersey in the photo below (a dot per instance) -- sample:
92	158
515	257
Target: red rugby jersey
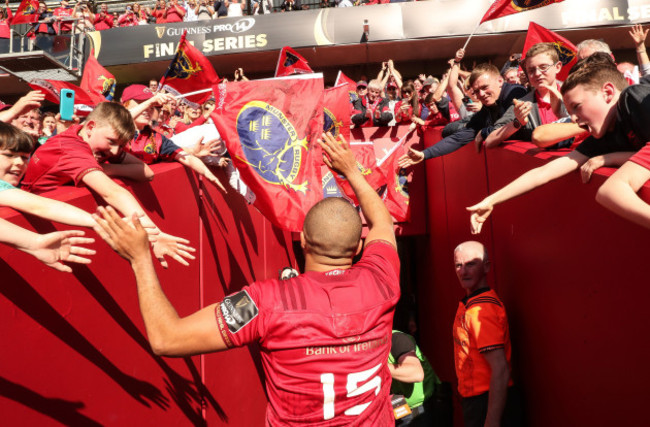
325	339
65	158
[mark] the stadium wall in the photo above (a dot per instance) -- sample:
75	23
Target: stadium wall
74	349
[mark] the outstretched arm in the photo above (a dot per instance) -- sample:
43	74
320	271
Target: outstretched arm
43	207
199	167
619	193
338	156
169	335
51	249
120	198
528	181
552	133
408	369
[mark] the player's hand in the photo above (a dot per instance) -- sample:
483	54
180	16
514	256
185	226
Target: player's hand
175	247
522	110
480	213
338	155
130	241
53	249
412	157
590	166
161	99
638	35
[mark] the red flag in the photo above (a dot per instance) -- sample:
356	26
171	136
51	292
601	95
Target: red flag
565	49
188	72
270	128
396	196
367	164
26	13
98	82
342	79
83	101
508	7
337	112
290	62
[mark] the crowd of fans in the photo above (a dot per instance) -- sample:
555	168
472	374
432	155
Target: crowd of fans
89	16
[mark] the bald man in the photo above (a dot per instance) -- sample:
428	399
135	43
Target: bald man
325	335
482	344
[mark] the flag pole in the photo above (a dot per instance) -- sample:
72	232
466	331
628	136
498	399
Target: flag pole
196	92
478	24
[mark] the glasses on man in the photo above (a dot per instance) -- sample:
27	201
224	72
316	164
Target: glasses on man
542	68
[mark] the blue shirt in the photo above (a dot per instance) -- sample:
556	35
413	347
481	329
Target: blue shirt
4	185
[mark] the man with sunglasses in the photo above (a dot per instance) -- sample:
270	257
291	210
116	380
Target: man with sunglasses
541	106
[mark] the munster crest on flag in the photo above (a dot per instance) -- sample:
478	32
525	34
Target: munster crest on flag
337	112
27	12
97	81
270	128
290	62
508	7
342	79
189	71
566	51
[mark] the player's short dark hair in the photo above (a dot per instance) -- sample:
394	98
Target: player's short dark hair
116	116
14	139
593	72
332	228
480	69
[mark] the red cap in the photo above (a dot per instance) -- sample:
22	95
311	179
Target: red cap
137	93
4	106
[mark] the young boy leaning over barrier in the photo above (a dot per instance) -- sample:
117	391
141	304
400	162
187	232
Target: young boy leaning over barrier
598	100
51	248
74	156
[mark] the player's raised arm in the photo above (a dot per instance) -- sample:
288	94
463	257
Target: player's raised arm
339	157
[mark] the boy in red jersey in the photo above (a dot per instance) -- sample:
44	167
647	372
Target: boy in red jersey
325	334
74	156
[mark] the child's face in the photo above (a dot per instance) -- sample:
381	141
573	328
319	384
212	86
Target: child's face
12	166
590	108
104	142
542	70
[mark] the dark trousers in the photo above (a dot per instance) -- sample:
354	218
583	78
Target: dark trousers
437	411
475	410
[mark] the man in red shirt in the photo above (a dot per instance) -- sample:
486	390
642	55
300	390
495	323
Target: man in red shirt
64	12
481	344
174	12
103	19
325	334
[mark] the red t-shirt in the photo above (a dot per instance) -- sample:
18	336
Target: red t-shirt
325	339
4	24
402	118
545	111
104	22
173	15
64	158
481	325
63	12
152	147
642	157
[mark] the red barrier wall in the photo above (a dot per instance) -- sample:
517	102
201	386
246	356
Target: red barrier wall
570	274
74	350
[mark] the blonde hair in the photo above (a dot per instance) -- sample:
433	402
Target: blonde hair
117	117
